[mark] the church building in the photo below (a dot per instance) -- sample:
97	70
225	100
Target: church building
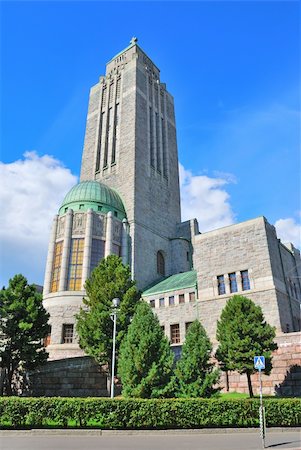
128	203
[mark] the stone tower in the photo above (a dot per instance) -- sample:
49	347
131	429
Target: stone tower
130	145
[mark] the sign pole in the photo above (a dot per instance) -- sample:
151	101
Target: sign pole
261	412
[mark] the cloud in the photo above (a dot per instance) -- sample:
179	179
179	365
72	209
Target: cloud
31	193
289	230
205	198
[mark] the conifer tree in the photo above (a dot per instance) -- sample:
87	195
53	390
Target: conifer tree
195	375
23	325
146	360
243	333
110	279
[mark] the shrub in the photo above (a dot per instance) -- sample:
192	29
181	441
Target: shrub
145	414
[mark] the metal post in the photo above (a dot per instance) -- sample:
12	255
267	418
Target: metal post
261	413
113	354
115	305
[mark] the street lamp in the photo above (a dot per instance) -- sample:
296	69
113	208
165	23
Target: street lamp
115	304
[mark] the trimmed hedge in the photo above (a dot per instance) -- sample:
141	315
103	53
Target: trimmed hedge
20	412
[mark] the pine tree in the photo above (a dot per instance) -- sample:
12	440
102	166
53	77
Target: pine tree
243	333
23	325
110	279
195	375
146	360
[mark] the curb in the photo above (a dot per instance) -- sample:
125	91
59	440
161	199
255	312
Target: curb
99	432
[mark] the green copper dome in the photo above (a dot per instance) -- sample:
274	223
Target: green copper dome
94	195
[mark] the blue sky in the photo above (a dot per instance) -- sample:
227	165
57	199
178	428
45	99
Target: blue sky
232	67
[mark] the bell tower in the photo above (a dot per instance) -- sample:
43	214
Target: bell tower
131	146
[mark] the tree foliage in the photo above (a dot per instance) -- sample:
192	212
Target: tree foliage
195	375
146	361
110	279
23	325
243	333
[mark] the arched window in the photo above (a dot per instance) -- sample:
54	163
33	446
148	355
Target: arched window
160	263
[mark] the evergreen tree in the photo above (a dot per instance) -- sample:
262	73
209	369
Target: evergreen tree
195	375
23	325
110	279
243	333
146	360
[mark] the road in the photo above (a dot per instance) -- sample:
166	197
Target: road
171	440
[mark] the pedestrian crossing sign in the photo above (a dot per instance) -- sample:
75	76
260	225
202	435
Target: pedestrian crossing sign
259	362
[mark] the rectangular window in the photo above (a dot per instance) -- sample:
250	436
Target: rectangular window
171	300
116	249
233	282
221	285
56	267
181	298
187	325
175	333
75	265
245	280
192	296
161	302
152	303
97	252
67	337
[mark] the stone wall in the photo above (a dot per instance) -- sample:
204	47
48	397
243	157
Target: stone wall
285	377
72	377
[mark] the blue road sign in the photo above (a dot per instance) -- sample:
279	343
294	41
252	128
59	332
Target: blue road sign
259	362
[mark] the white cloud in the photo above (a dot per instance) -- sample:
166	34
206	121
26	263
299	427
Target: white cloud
206	199
31	193
289	230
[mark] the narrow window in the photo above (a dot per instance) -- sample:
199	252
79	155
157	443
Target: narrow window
175	333
67	337
75	265
191	296
118	88
151	137
161	302
47	338
163	148
245	280
81	206
163	328
115	134
171	300
181	298
104	97
99	142
221	285
111	93
109	124
97	252
233	282
158	144
152	303
56	267
160	263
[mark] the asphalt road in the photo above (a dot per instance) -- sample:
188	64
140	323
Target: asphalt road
149	441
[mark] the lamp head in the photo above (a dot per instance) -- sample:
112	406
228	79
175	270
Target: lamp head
115	302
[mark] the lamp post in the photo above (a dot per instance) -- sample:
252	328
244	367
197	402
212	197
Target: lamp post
115	304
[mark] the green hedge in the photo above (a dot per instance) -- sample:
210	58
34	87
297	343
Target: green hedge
23	412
